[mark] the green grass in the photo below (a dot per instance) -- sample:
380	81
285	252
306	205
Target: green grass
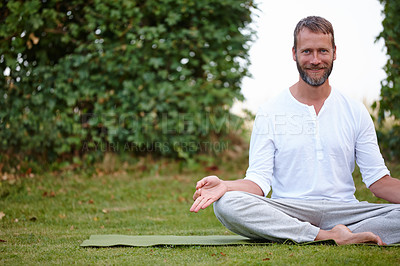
48	216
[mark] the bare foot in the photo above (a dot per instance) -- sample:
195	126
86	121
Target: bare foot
343	236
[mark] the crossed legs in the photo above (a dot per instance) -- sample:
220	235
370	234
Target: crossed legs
259	217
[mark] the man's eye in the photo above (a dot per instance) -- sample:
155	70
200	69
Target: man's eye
306	51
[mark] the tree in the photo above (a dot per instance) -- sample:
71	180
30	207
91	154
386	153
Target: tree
389	103
155	76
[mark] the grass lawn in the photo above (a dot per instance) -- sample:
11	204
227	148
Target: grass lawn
46	218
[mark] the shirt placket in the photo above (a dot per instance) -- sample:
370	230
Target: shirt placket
317	137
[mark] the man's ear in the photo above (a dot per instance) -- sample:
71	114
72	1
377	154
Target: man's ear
334	53
294	53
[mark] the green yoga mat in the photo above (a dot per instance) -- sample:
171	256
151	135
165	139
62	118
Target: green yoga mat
171	240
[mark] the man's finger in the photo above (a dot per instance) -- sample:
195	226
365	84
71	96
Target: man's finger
201	204
194	205
197	194
200	183
207	203
198	204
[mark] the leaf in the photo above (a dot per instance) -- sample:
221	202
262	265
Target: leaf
156	62
52	194
182	199
173	18
2	215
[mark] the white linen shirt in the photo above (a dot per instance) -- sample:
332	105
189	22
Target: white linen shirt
305	156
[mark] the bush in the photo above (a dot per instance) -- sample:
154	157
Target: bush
87	76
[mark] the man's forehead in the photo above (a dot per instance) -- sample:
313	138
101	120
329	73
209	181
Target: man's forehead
306	30
308	35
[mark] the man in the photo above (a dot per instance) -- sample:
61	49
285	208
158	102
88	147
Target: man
304	145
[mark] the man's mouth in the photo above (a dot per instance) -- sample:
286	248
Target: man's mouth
315	70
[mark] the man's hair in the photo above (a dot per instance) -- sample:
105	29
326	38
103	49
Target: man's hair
315	24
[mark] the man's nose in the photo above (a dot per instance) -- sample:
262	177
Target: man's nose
315	59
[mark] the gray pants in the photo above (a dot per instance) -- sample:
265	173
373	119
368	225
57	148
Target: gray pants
300	220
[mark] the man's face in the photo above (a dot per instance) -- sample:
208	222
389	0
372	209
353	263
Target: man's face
314	57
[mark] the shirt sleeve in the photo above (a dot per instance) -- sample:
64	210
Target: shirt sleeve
368	155
261	153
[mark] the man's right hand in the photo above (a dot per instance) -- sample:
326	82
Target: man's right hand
208	190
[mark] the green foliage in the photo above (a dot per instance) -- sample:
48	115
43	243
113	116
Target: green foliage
81	77
389	104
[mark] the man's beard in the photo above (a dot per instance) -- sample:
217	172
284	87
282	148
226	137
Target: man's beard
315	81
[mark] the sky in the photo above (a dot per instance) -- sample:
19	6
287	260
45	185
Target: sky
358	69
